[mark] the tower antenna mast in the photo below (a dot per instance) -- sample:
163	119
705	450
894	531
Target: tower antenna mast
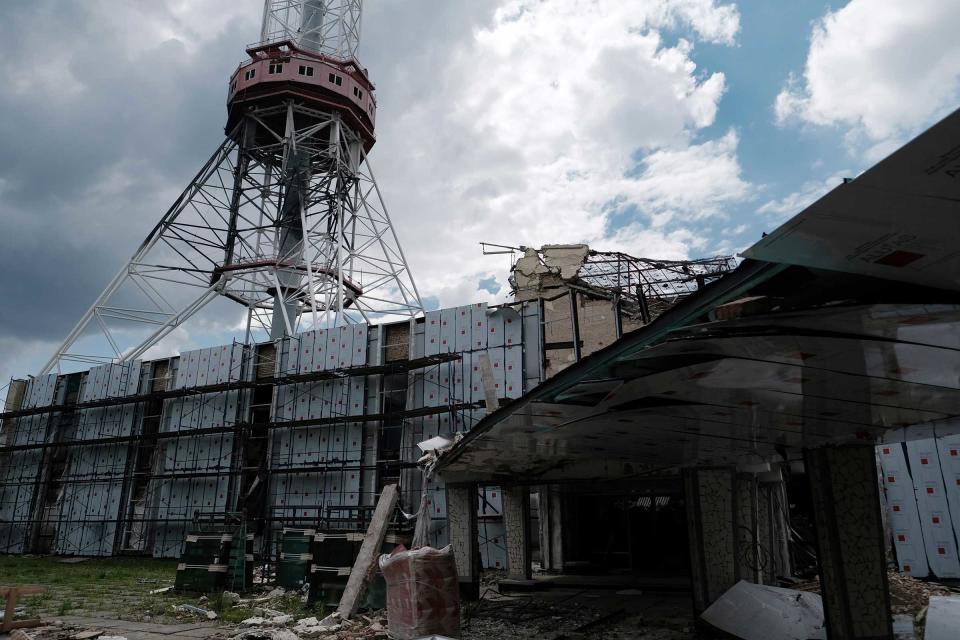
285	218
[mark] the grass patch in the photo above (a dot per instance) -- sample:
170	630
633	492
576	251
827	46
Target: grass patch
120	587
112	585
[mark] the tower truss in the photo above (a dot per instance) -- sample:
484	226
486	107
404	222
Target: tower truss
285	218
329	27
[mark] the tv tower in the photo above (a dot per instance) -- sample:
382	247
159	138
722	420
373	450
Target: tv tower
285	218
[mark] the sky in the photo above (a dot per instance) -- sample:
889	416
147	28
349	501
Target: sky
661	128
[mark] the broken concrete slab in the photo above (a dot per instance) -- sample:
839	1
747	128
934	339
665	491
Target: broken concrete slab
759	612
189	608
265	634
943	618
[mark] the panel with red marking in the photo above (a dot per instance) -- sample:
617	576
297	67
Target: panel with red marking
932	504
902	510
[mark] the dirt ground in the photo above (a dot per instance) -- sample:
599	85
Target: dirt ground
130	598
113	595
557	614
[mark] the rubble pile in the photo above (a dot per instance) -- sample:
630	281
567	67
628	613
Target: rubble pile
332	627
907	595
57	630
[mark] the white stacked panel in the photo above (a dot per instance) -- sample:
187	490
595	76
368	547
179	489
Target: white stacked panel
88	510
20	471
196	467
471	331
491	501
305	495
932	507
493	544
531	332
948	449
436	512
902	511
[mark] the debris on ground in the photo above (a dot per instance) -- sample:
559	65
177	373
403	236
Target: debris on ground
18	611
189	608
907	595
578	613
266	634
758	612
57	630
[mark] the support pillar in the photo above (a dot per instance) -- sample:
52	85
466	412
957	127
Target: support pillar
710	498
551	528
846	509
462	506
748	546
774	527
516	520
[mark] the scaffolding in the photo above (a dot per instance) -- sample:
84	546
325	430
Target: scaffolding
302	432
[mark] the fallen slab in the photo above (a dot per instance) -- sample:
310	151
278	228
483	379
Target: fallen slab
943	618
759	612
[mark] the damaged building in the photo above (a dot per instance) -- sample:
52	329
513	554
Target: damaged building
808	399
719	427
304	432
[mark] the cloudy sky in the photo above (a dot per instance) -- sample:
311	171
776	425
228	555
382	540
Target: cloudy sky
663	128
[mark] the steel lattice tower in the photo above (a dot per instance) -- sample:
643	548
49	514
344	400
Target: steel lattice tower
286	217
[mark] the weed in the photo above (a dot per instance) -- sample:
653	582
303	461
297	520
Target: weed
65	607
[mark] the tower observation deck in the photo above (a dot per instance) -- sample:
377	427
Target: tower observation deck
285	219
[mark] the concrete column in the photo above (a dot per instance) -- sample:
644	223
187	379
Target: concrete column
747	528
551	528
853	575
462	506
710	498
774	527
516	520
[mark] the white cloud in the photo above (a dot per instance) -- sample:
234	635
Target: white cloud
880	70
532	126
502	120
793	203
